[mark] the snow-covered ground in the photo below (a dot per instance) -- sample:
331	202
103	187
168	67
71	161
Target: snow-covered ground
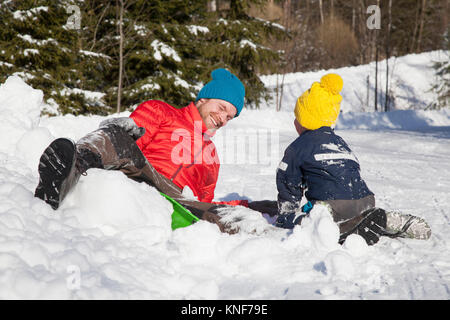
111	238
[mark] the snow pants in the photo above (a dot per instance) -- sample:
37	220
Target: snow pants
111	147
346	213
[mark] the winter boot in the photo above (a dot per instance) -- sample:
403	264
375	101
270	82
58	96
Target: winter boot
57	172
406	226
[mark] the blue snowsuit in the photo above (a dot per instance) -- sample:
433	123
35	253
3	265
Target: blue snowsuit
320	162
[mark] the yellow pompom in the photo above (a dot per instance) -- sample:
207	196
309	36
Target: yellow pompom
332	82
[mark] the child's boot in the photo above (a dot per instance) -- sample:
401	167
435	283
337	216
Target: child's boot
406	226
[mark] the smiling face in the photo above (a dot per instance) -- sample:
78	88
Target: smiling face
215	112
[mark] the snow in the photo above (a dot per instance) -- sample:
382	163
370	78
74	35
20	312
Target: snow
141	30
29	39
161	48
23	14
111	238
26	52
7	64
246	42
94	96
411	78
150	86
94	54
196	29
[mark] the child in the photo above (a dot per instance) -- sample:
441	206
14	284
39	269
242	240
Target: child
321	162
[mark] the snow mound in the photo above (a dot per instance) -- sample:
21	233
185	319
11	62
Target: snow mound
20	107
108	200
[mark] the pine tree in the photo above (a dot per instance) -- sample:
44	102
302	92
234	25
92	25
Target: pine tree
169	50
39	47
171	47
442	84
237	42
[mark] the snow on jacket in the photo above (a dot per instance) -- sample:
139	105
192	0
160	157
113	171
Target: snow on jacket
177	145
322	163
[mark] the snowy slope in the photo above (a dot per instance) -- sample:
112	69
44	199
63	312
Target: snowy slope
111	238
410	80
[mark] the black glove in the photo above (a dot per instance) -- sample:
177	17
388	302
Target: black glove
127	124
210	213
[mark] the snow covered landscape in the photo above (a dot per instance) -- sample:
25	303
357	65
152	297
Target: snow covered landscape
111	238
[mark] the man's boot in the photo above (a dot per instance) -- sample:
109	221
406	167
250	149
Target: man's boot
57	172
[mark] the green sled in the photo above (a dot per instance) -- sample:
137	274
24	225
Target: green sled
181	217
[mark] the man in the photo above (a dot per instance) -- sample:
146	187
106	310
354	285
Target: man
147	147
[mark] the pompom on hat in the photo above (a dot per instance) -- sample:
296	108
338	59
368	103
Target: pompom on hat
320	105
225	86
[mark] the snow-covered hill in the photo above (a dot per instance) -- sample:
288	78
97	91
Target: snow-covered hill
111	238
410	80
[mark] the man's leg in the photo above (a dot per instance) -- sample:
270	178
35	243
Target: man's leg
110	147
118	150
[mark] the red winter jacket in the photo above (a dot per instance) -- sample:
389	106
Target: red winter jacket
177	145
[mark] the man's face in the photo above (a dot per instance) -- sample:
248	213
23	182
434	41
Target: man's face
215	112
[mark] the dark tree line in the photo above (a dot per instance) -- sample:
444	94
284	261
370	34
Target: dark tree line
124	52
128	51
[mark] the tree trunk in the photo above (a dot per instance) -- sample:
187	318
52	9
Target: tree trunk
365	41
367	92
119	87
96	27
353	16
416	26
388	40
287	13
281	91
376	65
332	9
237	9
212	6
422	18
445	15
321	11
277	107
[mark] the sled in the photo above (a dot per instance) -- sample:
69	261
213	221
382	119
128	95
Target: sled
181	217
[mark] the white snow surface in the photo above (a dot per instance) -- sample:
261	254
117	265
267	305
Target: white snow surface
111	238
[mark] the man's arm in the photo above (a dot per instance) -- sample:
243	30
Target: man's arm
149	115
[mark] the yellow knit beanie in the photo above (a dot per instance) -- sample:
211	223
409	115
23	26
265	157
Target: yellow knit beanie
320	105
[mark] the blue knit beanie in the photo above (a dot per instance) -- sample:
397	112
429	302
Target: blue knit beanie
225	86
